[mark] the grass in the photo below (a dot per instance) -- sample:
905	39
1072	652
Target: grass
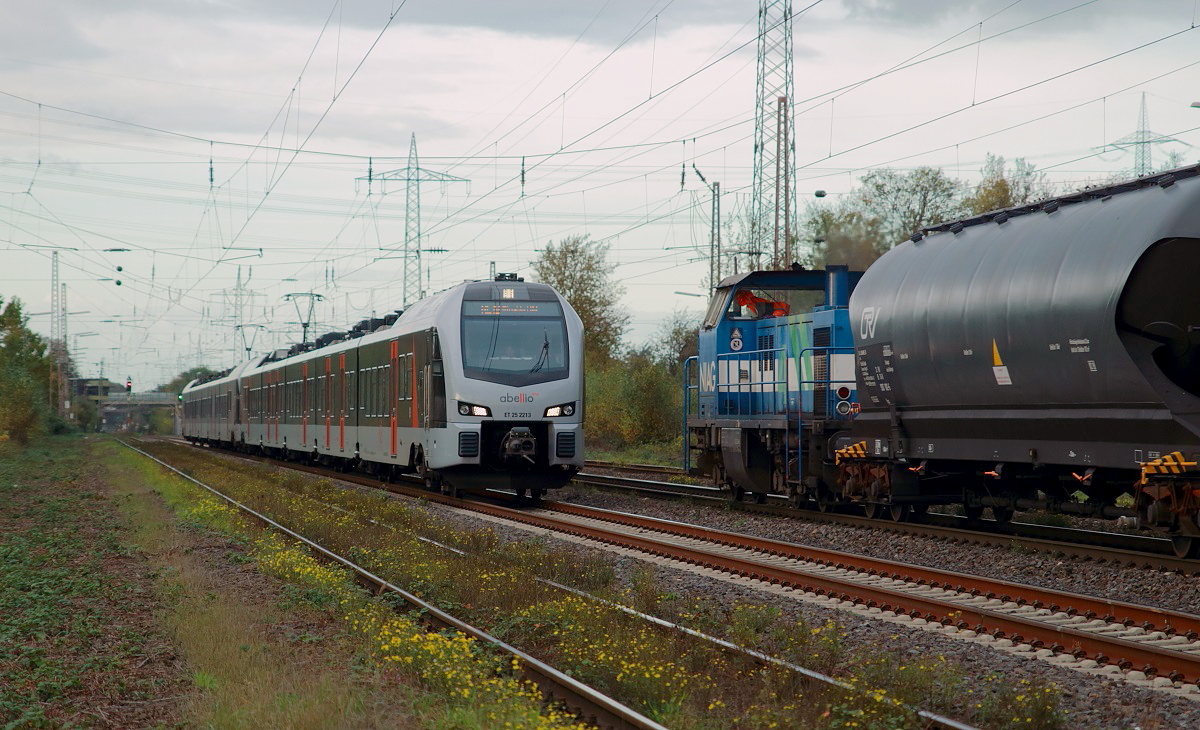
250	682
666	453
682	683
78	649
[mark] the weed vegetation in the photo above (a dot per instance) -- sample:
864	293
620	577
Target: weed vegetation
444	679
661	453
501	587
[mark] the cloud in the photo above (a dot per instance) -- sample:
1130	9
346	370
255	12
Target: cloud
41	31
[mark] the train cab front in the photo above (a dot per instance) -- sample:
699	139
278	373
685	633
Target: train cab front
519	402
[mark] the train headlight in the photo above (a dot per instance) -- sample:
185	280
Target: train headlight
562	409
843	407
470	409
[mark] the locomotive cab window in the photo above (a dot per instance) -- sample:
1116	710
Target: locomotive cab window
716	308
750	303
514	341
753	303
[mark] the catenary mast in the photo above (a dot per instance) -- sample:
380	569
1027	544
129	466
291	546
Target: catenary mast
774	189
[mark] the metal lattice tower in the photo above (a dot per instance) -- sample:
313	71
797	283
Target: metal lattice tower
413	175
56	307
774	190
1141	142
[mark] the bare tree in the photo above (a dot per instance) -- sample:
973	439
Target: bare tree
902	203
578	268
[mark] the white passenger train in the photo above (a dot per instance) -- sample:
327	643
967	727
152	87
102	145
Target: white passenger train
477	386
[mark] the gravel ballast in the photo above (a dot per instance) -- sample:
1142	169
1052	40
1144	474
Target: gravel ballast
1089	700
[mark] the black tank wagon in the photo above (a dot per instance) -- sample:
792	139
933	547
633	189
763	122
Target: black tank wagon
1025	356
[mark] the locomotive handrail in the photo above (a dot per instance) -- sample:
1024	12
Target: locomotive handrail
688	365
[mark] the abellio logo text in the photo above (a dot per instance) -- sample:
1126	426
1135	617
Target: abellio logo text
517	398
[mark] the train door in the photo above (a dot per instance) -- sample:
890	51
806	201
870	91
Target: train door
394	394
420	364
340	402
435	384
328	404
304	405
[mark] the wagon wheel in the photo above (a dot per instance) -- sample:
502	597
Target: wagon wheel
1185	546
973	511
1002	515
897	512
825	501
917	511
873	510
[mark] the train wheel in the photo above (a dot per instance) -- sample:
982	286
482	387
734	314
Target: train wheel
1186	546
873	510
973	511
918	510
826	502
1002	515
535	496
739	494
897	512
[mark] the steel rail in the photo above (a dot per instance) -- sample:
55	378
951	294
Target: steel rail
587	702
933	719
1152	552
1081	644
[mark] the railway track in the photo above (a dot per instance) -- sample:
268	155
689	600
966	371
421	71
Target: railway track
585	701
1159	643
1162	645
564	519
1118	548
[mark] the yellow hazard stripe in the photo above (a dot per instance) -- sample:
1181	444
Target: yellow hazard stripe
1172	463
853	451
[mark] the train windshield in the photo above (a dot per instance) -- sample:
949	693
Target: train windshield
514	342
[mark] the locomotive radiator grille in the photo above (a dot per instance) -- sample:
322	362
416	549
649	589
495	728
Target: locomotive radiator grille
821	339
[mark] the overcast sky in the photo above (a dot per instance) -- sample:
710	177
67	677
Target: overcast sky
218	139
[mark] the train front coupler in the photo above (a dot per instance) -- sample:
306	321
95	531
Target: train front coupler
519	444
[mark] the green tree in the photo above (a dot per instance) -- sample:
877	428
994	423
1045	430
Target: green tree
177	384
578	268
842	235
24	376
1001	188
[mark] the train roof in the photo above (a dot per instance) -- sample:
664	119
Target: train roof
1163	179
796	277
